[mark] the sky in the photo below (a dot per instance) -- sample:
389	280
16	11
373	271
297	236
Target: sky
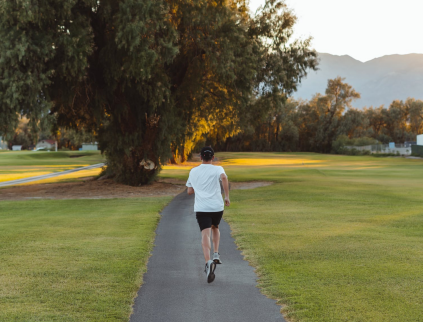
362	29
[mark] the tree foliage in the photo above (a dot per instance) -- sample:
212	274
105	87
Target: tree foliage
240	58
99	65
149	77
327	122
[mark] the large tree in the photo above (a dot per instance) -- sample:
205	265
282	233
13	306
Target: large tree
146	75
330	109
97	64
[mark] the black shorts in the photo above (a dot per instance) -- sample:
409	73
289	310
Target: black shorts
207	219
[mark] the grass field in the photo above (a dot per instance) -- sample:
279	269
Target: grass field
74	260
335	238
24	164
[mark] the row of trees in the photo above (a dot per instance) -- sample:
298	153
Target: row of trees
149	77
29	132
153	80
316	124
292	126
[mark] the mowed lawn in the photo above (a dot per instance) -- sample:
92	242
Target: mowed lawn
74	260
23	164
335	238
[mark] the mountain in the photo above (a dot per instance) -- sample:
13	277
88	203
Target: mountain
379	81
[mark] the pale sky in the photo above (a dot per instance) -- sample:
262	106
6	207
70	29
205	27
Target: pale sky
363	29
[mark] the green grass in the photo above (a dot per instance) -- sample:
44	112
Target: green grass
24	164
74	260
32	158
340	239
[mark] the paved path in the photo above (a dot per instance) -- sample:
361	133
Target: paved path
175	287
48	176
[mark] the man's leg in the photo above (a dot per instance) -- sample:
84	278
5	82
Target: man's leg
216	238
205	242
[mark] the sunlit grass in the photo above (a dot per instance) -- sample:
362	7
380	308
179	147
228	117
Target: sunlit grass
175	172
21	175
25	164
271	161
336	240
24	173
68	177
68	158
74	260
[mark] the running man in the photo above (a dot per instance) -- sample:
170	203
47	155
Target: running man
204	181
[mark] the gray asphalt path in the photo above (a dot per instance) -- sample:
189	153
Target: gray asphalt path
48	176
175	287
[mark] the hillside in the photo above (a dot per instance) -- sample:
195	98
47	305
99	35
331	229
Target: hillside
379	81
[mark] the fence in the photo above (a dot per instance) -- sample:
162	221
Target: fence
417	150
382	148
3	143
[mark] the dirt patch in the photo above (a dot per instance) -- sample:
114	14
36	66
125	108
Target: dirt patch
89	189
249	185
106	189
172	181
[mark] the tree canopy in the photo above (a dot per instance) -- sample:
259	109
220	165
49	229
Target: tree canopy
317	124
152	78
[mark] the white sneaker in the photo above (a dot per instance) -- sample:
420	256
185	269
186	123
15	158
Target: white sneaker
209	270
216	258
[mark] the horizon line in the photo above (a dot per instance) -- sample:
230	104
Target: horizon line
361	61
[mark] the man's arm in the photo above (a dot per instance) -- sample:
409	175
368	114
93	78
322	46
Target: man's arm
190	189
225	184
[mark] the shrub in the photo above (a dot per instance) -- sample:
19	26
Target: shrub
382	155
338	146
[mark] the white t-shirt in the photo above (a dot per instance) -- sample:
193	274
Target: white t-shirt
205	179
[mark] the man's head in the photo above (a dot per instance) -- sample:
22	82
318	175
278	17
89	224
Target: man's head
207	154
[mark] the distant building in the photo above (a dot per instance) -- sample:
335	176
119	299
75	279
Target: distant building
16	147
399	149
47	144
408	144
3	143
420	139
89	146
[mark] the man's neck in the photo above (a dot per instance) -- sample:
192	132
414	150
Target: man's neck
207	162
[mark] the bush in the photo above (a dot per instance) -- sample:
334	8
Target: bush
364	141
353	151
382	155
338	146
417	150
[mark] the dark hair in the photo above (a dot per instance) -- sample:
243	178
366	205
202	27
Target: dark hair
207	153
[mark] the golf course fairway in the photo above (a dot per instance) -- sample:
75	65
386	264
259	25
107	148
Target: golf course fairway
335	238
74	260
16	165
